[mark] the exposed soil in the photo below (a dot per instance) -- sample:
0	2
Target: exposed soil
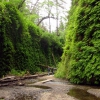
42	88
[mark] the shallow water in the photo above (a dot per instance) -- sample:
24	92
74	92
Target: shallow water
1	99
82	94
40	86
77	91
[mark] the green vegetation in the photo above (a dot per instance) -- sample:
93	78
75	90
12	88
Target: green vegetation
17	72
23	45
81	58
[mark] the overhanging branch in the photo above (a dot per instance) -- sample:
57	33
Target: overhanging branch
44	19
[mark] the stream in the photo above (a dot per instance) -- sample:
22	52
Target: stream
49	88
81	94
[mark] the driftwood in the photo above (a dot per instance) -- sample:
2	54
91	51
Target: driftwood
17	81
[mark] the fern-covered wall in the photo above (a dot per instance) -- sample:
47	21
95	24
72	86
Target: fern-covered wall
23	45
81	58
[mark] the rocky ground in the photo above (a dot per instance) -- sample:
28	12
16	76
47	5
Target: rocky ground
42	88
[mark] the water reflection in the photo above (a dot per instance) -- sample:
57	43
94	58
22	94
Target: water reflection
82	94
39	86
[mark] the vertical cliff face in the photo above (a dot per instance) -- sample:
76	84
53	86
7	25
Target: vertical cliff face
23	45
81	57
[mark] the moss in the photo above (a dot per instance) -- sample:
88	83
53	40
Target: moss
82	50
23	45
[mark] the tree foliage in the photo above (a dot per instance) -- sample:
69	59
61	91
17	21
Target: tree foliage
47	9
81	57
23	45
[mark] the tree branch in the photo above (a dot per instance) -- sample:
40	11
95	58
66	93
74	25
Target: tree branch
21	4
44	19
35	4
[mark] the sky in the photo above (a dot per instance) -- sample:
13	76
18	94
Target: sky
62	13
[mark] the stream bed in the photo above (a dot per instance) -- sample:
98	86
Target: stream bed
49	88
79	91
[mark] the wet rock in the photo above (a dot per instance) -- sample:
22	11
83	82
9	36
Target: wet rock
20	84
95	92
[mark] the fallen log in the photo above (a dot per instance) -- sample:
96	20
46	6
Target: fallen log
17	81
